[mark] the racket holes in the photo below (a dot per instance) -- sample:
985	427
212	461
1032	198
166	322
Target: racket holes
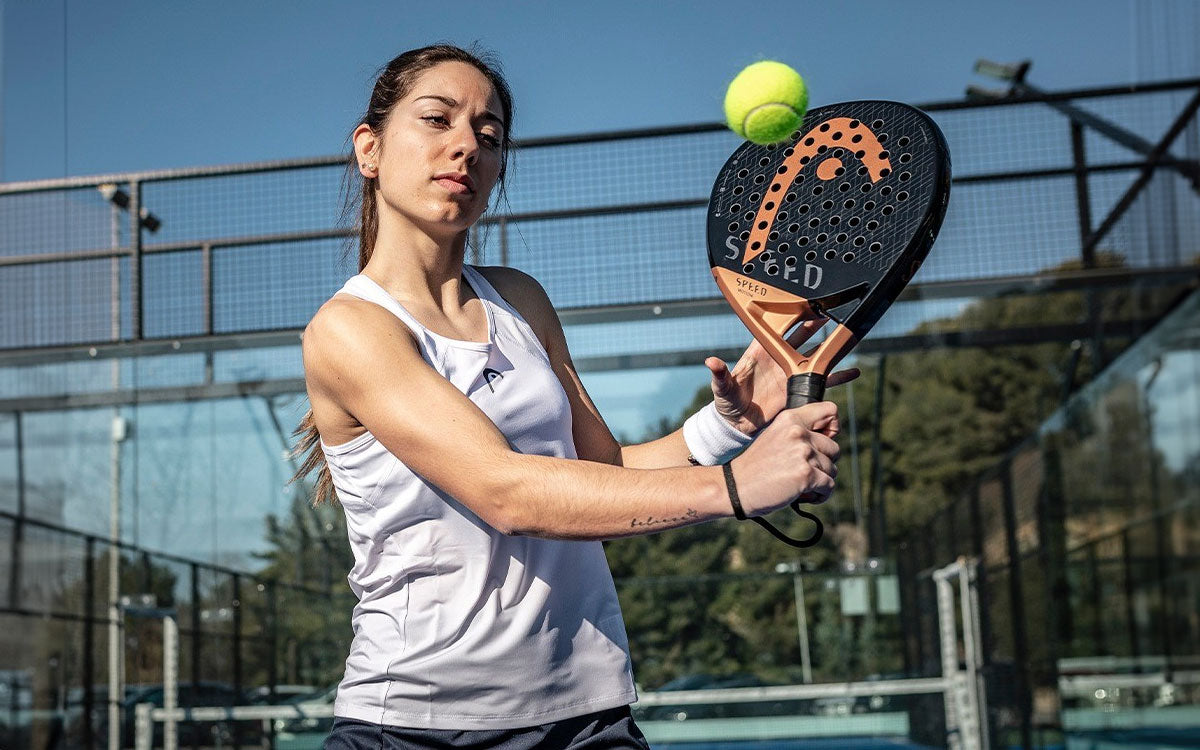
809	141
802	240
766	256
764	161
903	141
749	216
783	248
860	154
884	172
743	173
875	247
866	188
844	187
773	236
885	191
835	220
762	225
854	221
805	160
735	208
830	254
904	176
744	235
905	158
790	260
793	228
759	179
883	154
795	135
782	216
822	237
854	124
839	171
886	210
857	137
877	124
841	238
849	203
822	148
862	171
836	136
788	151
827	205
739	190
817	190
883	137
753	198
789	197
860	241
772	270
769	205
782	169
733	226
748	268
800	177
810	256
814	223
824	127
872	225
775	188
802	209
902	195
848	257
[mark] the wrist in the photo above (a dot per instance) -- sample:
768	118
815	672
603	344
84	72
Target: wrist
711	439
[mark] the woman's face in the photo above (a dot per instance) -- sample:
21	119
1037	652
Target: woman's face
441	149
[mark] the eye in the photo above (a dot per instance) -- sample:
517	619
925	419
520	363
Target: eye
491	140
440	120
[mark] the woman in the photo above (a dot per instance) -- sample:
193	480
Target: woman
476	475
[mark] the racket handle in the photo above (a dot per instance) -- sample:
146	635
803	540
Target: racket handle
807	388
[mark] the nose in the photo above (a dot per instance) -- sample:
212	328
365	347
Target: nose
466	144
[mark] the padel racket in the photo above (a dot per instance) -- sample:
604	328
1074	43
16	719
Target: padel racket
832	222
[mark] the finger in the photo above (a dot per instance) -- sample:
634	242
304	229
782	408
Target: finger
805	330
842	376
825	446
816	415
720	375
819	489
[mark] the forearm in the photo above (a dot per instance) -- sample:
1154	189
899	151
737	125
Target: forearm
664	453
566	499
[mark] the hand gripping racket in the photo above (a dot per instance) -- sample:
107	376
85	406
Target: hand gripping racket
832	222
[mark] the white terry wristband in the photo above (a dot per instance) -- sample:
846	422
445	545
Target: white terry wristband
711	439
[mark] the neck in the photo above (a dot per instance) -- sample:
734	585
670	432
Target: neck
412	264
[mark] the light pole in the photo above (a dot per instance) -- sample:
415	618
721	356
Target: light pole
119	201
796	569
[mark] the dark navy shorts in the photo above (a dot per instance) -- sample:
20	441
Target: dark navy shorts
599	731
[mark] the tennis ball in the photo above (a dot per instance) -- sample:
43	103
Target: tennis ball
766	102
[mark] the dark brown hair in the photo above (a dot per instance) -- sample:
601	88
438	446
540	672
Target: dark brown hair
392	84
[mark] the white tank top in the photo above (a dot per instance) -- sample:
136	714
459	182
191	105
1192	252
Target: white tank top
458	626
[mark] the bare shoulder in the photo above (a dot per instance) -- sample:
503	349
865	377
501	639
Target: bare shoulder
523	292
347	332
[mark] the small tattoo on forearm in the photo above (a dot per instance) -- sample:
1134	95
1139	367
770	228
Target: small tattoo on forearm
690	515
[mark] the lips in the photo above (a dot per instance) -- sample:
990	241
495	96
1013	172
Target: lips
455	182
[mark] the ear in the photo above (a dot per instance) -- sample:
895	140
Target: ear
366	151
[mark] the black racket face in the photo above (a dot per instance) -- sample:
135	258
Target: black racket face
841	214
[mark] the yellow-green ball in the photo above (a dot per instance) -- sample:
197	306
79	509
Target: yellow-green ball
766	102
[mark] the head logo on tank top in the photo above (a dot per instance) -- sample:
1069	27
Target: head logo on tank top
490	376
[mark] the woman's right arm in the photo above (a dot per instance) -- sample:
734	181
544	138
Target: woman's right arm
360	360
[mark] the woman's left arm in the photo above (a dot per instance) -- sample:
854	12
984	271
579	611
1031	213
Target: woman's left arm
747	397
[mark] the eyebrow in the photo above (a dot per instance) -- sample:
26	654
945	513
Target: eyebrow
487	115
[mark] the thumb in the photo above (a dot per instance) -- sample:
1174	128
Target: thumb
819	416
720	375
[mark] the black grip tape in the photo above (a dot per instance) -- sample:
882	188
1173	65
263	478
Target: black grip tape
808	388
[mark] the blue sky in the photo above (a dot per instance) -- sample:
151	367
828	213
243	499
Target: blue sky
93	88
